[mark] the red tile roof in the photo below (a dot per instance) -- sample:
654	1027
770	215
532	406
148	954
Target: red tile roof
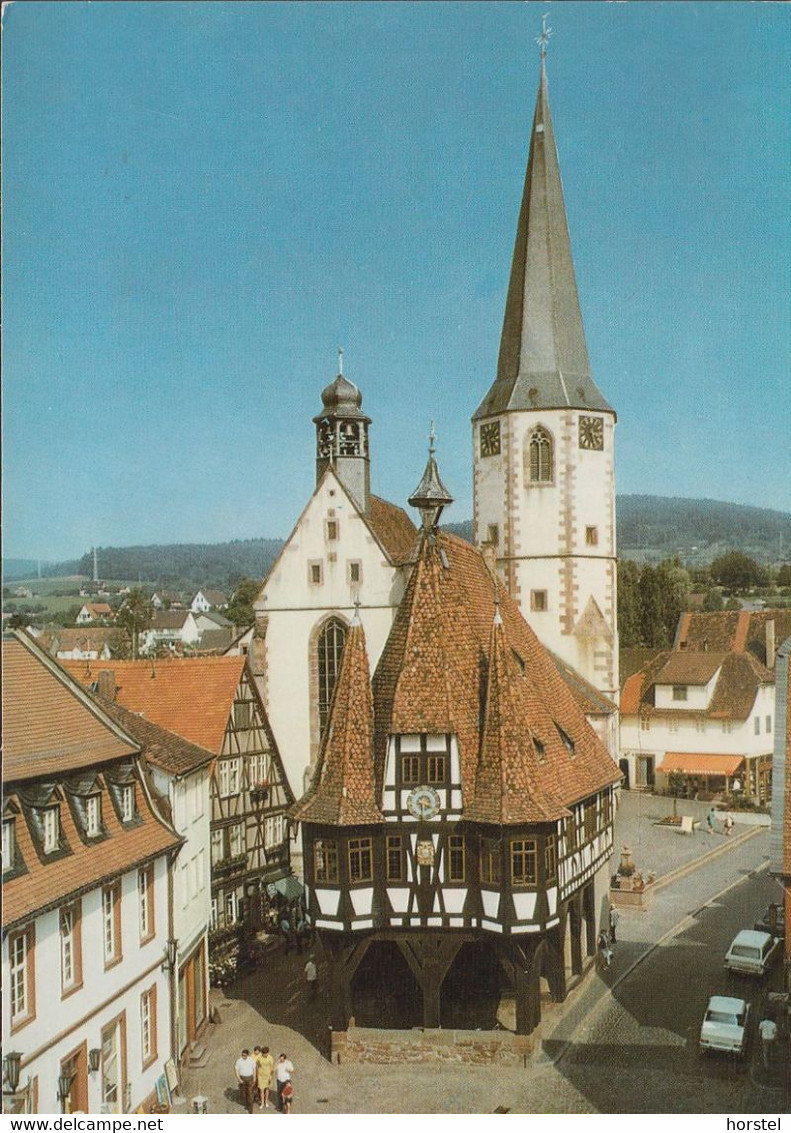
430	677
343	790
732	631
740	677
689	668
392	527
164	749
48	724
192	697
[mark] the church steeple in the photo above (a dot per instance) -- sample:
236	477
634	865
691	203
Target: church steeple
342	438
543	362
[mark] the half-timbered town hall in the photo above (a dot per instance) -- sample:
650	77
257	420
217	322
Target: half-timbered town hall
462	806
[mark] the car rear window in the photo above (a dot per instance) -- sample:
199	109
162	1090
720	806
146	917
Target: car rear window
747	952
723	1017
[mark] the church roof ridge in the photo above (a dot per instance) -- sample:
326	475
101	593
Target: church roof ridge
543	361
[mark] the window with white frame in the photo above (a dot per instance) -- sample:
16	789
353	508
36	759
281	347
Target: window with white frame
216	846
236	840
257	769
274	831
9	844
145	893
215	915
50	822
231	907
195	791
70	976
128	802
230	777
20	976
93	816
111	926
148	1025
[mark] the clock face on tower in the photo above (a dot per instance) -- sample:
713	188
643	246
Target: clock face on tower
592	433
490	438
423	802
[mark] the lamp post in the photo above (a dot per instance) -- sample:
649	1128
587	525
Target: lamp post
64	1089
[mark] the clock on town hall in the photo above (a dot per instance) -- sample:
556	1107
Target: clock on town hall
490	438
423	802
592	432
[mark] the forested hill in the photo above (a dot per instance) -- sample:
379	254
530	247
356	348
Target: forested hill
650	528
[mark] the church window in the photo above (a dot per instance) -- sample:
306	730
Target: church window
332	530
550	857
524	861
325	860
395	858
538	600
457	870
540	457
355	571
330	648
592	536
436	769
360	860
491	871
410	768
315	573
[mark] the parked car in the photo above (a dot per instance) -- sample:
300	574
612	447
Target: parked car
773	921
724	1025
752	953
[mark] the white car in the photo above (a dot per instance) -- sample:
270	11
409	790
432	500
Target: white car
725	1025
752	953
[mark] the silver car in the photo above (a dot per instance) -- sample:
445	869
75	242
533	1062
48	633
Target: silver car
725	1025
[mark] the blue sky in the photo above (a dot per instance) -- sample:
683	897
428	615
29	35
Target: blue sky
203	201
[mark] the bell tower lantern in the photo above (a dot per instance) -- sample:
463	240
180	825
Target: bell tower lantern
342	438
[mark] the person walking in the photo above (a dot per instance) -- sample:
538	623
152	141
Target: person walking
711	819
728	825
767	1029
288	1096
245	1069
614	918
265	1068
284	1068
605	952
311	977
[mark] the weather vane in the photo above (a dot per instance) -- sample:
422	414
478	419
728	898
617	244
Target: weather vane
432	436
340	360
543	39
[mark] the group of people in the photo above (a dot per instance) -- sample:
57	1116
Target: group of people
295	927
258	1073
711	822
607	937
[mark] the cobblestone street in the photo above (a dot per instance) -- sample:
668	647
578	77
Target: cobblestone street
625	1041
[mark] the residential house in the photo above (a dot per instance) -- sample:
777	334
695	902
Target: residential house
461	811
780	836
94	612
704	720
169	629
74	644
214	702
206	600
86	907
166	600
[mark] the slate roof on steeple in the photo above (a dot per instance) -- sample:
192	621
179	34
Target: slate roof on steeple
543	361
342	792
435	675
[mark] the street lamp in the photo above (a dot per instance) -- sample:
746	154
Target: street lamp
171	953
64	1088
11	1065
94	1059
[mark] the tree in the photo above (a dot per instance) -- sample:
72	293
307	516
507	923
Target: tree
136	615
240	609
738	572
784	575
712	601
629	629
652	613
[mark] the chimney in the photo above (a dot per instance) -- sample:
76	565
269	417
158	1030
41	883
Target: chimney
106	687
770	643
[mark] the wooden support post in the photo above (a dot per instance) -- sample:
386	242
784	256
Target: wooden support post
526	969
575	928
429	958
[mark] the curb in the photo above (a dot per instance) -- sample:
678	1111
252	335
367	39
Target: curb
684	923
691	866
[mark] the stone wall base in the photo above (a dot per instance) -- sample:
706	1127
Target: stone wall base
478	1048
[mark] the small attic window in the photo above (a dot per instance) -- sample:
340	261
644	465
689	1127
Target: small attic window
568	742
540	750
519	660
443	558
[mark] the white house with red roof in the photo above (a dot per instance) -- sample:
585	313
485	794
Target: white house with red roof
88	982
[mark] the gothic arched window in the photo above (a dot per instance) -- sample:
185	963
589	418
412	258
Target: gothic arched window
329	649
540	462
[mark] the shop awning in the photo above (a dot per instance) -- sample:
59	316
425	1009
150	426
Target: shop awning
289	887
691	763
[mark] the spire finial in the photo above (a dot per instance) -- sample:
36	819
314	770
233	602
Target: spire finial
498	621
340	360
432	436
543	39
357	620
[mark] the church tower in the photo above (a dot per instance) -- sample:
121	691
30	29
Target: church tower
543	439
342	438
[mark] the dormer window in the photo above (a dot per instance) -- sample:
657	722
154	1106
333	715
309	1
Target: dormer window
568	742
50	824
679	692
128	802
93	816
9	844
540	750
